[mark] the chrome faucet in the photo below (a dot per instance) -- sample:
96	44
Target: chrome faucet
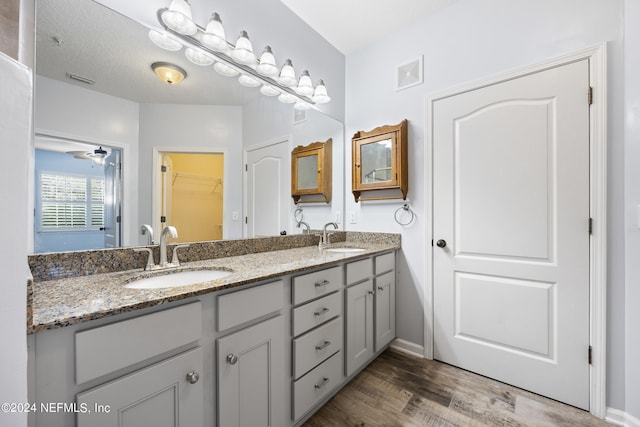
325	236
308	230
173	233
146	229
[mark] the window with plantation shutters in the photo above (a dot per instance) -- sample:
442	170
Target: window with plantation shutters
71	202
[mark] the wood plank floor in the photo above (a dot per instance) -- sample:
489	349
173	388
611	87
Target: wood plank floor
400	390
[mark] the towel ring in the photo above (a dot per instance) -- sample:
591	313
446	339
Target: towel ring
405	208
297	215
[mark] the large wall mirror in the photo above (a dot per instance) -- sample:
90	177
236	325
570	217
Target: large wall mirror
95	90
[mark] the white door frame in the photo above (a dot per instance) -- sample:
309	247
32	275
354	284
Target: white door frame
156	184
597	57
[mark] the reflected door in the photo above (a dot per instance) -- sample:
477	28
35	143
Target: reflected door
112	199
268	179
511	215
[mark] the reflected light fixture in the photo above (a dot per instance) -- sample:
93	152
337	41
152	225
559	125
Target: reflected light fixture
168	73
268	90
164	41
248	81
178	18
198	57
225	70
99	156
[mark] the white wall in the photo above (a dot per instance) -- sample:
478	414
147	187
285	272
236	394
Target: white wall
15	132
632	204
193	126
69	111
468	41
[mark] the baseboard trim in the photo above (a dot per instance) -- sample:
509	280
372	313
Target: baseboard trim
408	347
621	418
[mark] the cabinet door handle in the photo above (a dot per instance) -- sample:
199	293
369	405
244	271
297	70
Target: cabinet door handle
232	359
193	377
324	345
323	283
322	383
321	312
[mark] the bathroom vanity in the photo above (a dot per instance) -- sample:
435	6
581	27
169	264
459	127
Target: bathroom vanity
267	345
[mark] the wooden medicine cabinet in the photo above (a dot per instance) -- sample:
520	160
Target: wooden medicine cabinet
380	163
311	173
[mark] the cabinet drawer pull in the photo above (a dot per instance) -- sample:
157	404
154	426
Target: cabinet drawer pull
370	292
324	345
324	382
380	288
232	359
321	312
193	377
323	283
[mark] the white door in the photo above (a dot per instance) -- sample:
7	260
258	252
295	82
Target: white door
268	190
511	231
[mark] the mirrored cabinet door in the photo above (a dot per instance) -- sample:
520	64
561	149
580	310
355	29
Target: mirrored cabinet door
380	163
311	173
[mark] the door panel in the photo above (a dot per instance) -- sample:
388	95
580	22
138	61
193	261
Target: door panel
511	201
268	185
112	199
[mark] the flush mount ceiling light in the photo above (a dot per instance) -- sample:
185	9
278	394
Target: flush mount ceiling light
206	46
168	73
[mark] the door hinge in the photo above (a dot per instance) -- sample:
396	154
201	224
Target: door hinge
590	95
118	218
590	226
246	167
163	219
246	220
590	354
163	168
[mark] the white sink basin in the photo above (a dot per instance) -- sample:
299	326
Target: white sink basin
177	279
344	250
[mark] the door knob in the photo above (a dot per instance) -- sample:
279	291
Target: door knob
441	243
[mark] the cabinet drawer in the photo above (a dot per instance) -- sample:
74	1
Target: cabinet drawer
314	347
316	312
359	270
384	263
317	284
106	349
311	388
243	306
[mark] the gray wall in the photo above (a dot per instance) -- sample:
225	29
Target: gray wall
469	41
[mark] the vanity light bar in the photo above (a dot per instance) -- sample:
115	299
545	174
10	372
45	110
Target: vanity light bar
195	40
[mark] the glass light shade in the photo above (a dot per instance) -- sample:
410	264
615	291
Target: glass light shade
268	90
305	85
300	105
287	75
168	73
248	81
287	98
214	36
243	52
164	41
198	57
320	95
225	70
178	18
267	66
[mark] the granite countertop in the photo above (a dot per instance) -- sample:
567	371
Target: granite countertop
71	300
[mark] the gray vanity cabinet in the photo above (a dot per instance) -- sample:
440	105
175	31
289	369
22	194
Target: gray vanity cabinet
160	395
370	309
251	361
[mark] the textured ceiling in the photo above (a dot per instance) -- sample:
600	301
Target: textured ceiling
115	52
